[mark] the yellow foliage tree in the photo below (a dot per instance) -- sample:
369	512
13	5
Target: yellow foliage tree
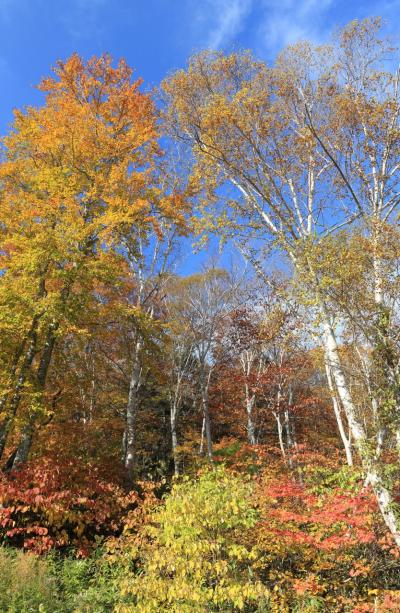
77	174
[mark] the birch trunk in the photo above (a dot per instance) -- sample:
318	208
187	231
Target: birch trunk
250	400
289	438
339	379
131	411
203	427
385	502
370	464
174	435
336	408
204	385
280	434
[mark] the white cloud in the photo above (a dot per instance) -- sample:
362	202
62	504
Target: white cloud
271	23
286	21
218	22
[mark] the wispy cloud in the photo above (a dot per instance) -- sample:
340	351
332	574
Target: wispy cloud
271	24
218	22
286	21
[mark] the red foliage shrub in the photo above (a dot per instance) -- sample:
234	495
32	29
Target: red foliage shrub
48	505
335	520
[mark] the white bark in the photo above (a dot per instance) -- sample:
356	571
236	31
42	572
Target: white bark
333	360
203	427
174	443
277	416
336	408
204	386
131	410
385	503
250	400
369	460
289	438
174	435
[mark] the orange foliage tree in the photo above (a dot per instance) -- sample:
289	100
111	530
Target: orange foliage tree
77	178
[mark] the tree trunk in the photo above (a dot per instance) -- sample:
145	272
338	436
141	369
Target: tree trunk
280	433
289	438
17	356
335	366
28	430
203	428
174	443
131	412
249	410
385	502
6	426
16	398
24	445
204	385
336	408
175	401
370	464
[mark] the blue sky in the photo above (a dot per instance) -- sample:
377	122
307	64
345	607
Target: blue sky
155	36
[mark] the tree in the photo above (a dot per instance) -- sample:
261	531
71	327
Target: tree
149	273
302	149
74	172
205	300
180	363
245	333
245	342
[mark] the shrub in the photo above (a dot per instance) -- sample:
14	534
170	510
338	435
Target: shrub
192	556
322	545
47	505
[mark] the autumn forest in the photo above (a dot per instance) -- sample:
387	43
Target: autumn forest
226	439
